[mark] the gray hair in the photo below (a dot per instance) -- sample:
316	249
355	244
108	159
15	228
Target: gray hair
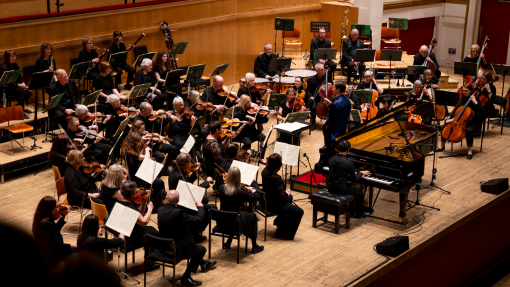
172	199
176	100
248	76
352	31
368	73
427	72
417	83
146	62
80	110
193	96
144	106
267	44
318	65
112	98
424	46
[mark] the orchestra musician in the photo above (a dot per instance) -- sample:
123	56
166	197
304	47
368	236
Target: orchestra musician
90	55
67	104
312	91
111	109
18	89
47	232
181	123
474	125
421	57
262	62
45	62
58	153
210	94
415	95
90	244
350	45
231	152
368	77
387	101
318	43
110	187
429	78
232	199
82	112
177	224
161	69
298	86
135	151
256	96
474	55
489	91
146	76
80	186
105	83
95	149
279	200
118	47
355	104
213	149
144	115
342	175
287	106
339	113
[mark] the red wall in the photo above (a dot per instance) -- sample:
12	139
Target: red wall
495	23
420	33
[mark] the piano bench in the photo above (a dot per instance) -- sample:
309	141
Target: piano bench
333	204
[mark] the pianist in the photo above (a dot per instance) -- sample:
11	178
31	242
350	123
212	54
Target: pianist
342	174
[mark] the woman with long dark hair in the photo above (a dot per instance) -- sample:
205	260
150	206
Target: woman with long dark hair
46	62
89	242
58	153
161	69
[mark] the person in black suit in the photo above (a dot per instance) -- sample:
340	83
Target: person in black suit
349	48
67	104
47	232
176	224
261	67
90	244
420	58
322	42
17	89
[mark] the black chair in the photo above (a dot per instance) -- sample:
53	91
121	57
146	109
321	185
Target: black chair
261	208
217	179
226	218
480	133
152	242
140	50
28	71
203	162
501	102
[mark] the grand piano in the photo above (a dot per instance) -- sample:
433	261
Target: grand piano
379	146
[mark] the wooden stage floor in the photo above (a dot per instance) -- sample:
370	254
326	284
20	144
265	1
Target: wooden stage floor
317	256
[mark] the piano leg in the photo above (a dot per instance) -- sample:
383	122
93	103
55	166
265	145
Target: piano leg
403	195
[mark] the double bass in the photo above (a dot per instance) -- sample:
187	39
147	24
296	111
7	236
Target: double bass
435	71
169	42
475	80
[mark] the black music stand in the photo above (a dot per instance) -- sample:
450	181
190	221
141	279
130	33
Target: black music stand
279	65
9	77
363	55
178	49
39	81
219	69
325	54
79	71
416	70
283	25
195	72
139	59
53	103
118	59
391	55
365	97
316	25
275	99
502	70
465	69
173	78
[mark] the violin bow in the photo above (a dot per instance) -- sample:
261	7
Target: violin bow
230	90
68	138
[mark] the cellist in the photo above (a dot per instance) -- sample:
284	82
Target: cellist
474	125
370	83
312	91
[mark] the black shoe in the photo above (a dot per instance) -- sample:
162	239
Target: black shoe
439	149
208	265
226	246
27	111
469	156
190	282
128	87
150	268
26	117
257	249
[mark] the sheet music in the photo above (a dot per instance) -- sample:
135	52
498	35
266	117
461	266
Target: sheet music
190	142
289	153
290	127
186	198
149	170
248	171
122	219
267	137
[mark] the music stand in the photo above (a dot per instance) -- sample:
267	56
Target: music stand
39	81
355	116
79	71
118	59
501	70
465	69
416	70
279	65
275	99
53	103
139	59
117	143
219	69
173	78
296	117
228	113
121	128
9	77
195	72
178	49
92	100
283	25
325	54
391	55
138	91
365	97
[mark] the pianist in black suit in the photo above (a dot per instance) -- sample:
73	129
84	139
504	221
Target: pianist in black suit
387	101
342	174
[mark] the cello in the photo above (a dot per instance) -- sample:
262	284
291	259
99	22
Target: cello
322	110
475	80
369	112
455	130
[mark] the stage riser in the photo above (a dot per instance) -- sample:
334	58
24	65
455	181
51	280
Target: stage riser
22	164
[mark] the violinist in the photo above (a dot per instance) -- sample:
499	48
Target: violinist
90	55
429	79
288	106
262	62
349	47
110	187
58	153
46	62
193	103
213	149
118	47
300	89
312	90
181	123
47	232
210	94
230	155
151	125
135	151
91	245
339	113
67	104
80	186
161	69
474	125
82	113
474	56
18	89
251	89
112	109
249	134
318	43
489	91
415	95
105	83
95	149
146	76
368	77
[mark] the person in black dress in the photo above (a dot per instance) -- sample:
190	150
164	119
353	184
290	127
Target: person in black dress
105	83
157	145
19	90
262	62
349	47
80	186
319	43
474	56
46	62
161	69
110	187
342	174
47	232
287	106
279	200
95	149
90	55
474	125
211	95
232	199
146	76
177	224
67	104
415	95
58	153
118	47
180	123
112	108
135	151
213	148
489	91
91	245
312	91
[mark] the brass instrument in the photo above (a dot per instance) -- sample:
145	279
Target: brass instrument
344	26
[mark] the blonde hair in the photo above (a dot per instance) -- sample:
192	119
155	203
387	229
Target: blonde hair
59	72
233	180
85	41
193	97
74	157
243	100
475	46
104	66
114	176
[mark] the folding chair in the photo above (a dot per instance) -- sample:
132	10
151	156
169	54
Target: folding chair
15	114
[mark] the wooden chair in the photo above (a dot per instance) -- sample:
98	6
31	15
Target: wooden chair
99	210
15	114
61	190
296	42
56	173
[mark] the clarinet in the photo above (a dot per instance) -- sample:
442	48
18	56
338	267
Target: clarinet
169	41
95	64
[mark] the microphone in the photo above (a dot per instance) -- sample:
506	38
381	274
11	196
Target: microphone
305	155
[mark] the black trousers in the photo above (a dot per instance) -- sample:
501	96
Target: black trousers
471	129
332	67
86	201
157	102
99	151
20	95
131	74
59	116
158	191
197	259
350	69
249	139
312	106
289	219
172	152
346	190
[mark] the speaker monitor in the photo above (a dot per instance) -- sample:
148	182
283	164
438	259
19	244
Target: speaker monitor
393	246
495	186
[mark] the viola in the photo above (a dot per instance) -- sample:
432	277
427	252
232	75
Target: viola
84	131
205	106
186	113
140	196
456	129
156	136
243	155
191	168
91	167
61	210
257	88
370	111
90	117
123	109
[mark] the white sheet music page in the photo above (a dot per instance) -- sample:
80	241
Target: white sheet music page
186	198
190	142
149	170
290	127
248	171
289	153
122	219
279	148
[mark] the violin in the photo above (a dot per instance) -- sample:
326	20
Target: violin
243	155
186	113
191	168
226	133
156	136
91	167
90	117
253	109
297	104
224	92
257	88
234	122
140	196
123	109
61	210
157	114
85	131
205	106
455	130
478	92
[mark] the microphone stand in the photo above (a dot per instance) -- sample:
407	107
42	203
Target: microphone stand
312	175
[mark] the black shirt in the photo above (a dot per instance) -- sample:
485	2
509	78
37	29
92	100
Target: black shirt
107	196
210	95
248	130
175	175
419	59
69	90
341	170
85	56
274	188
117	49
78	186
133	164
142	78
42	65
318	44
148	123
113	124
234	202
213	154
5	67
285	109
254	96
97	245
57	159
313	85
106	84
475	60
261	67
363	85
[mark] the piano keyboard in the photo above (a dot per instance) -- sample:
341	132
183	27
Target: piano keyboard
386	180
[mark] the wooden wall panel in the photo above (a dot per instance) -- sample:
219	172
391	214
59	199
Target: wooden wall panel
334	13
